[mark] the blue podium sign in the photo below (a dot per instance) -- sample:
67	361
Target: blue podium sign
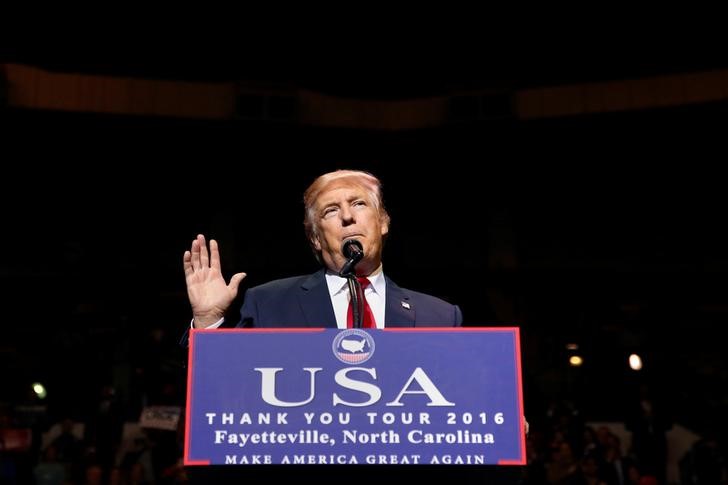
328	396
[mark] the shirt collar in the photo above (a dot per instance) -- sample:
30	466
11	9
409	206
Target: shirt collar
337	284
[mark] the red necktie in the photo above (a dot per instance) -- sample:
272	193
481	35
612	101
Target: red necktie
367	320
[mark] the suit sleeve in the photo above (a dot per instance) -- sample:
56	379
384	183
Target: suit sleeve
458	315
249	311
248	317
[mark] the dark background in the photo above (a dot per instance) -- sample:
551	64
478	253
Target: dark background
606	230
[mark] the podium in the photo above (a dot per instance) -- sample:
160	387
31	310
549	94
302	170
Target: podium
329	397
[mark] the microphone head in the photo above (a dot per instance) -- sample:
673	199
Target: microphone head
354	252
352	249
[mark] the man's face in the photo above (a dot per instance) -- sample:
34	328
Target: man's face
346	212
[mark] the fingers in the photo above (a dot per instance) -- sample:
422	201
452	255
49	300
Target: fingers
187	263
195	254
204	258
235	282
197	257
214	255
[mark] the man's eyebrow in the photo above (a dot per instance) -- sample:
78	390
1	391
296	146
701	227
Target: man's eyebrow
351	198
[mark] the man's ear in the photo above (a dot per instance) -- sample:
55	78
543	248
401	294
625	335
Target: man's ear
385	225
316	243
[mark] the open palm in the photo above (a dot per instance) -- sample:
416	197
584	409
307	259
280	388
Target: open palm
207	291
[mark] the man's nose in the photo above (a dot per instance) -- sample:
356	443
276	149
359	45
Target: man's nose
347	215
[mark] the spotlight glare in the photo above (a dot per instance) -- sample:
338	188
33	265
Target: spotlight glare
635	362
39	390
575	361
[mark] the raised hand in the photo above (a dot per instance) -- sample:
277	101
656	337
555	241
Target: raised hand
207	291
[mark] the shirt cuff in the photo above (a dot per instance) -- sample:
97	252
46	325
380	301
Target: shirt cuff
214	325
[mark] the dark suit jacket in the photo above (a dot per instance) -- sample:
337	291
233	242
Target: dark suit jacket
304	301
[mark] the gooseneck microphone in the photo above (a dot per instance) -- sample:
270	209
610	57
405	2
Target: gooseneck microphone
354	252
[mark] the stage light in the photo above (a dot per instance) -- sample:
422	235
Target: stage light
635	362
39	390
575	361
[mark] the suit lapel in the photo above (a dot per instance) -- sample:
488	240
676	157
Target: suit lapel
316	302
399	311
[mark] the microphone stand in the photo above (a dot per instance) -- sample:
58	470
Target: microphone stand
347	271
357	299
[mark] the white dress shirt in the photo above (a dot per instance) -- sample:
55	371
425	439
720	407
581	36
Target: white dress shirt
375	294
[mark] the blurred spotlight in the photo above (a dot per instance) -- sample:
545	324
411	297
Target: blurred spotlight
575	361
39	390
635	362
572	346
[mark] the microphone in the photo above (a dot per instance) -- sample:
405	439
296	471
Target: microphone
352	248
354	252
